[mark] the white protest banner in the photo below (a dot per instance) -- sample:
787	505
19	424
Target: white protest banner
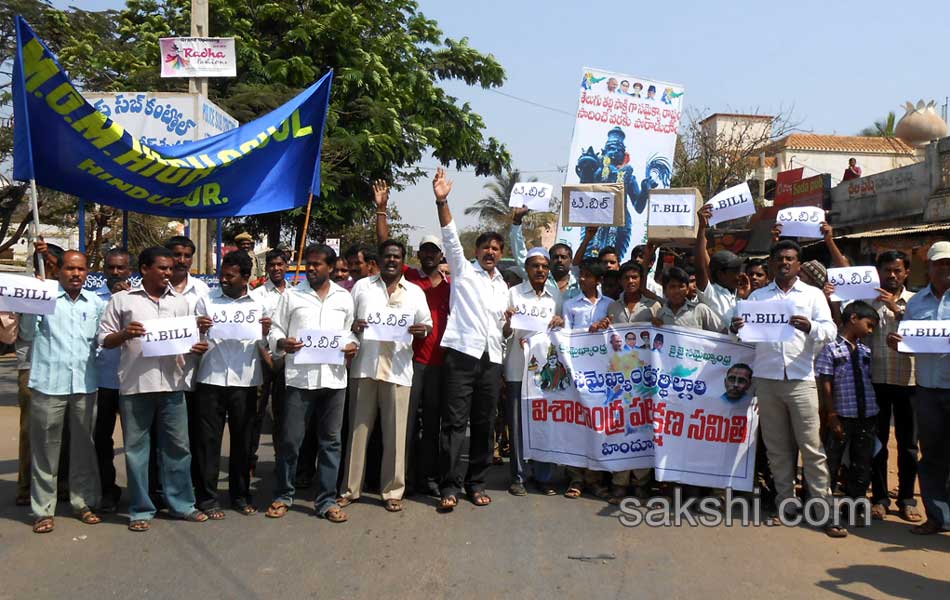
591	207
683	408
672	210
624	132
532	194
235	321
924	337
766	320
733	203
801	221
320	347
22	294
333	243
169	336
854	283
198	57
388	325
532	317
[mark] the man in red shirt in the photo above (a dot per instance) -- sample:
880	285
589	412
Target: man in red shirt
422	454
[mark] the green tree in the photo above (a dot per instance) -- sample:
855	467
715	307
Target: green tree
882	128
387	108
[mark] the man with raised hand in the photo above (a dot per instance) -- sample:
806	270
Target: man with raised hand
383	371
473	342
314	391
717	278
425	397
151	390
117	271
63	382
563	276
785	381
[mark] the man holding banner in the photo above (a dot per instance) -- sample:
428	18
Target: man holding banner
785	379
932	402
226	387
63	382
154	328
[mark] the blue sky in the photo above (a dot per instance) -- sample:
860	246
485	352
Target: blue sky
840	65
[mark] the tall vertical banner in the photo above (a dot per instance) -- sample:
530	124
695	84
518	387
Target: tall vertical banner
624	132
673	399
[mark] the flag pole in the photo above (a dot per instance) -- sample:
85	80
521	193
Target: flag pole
36	225
303	238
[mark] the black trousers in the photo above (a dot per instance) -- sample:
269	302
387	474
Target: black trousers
858	440
272	391
425	425
214	405
107	410
473	386
896	400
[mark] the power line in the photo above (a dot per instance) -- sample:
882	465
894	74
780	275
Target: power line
532	103
557	170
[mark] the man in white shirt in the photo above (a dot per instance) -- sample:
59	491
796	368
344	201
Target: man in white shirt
473	342
383	371
717	278
785	381
314	391
268	294
535	298
227	381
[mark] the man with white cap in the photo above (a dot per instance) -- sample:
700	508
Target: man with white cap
932	402
533	298
422	454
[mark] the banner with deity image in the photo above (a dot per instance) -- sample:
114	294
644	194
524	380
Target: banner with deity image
677	400
624	132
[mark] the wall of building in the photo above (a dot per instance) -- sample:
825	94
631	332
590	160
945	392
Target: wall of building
884	199
737	130
835	163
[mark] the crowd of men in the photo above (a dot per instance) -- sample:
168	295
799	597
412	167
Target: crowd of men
824	395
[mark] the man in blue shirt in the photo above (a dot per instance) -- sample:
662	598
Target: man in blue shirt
117	271
932	402
63	381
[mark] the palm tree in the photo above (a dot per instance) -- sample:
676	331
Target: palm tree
883	128
493	208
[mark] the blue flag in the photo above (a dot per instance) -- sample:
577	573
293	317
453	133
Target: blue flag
64	143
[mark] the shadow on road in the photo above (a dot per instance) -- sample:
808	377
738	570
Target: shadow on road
894	583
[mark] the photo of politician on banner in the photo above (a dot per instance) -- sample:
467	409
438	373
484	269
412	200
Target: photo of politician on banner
624	132
677	400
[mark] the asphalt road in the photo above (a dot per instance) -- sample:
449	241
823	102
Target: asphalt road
526	547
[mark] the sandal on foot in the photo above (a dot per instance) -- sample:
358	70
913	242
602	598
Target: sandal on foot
517	489
43	525
573	490
197	516
833	531
909	513
480	498
344	501
335	514
448	503
246	510
89	518
394	505
878	512
215	514
929	527
139	526
617	494
277	509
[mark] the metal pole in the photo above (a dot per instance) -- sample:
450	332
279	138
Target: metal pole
82	226
36	223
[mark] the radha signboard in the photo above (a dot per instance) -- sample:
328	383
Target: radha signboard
198	57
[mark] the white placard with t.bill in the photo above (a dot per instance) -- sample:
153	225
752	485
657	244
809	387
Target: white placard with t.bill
801	221
766	320
924	337
533	195
733	203
531	317
388	325
235	321
28	295
169	336
672	210
320	347
854	283
591	207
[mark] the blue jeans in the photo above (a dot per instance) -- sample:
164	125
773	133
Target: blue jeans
300	406
167	410
933	421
